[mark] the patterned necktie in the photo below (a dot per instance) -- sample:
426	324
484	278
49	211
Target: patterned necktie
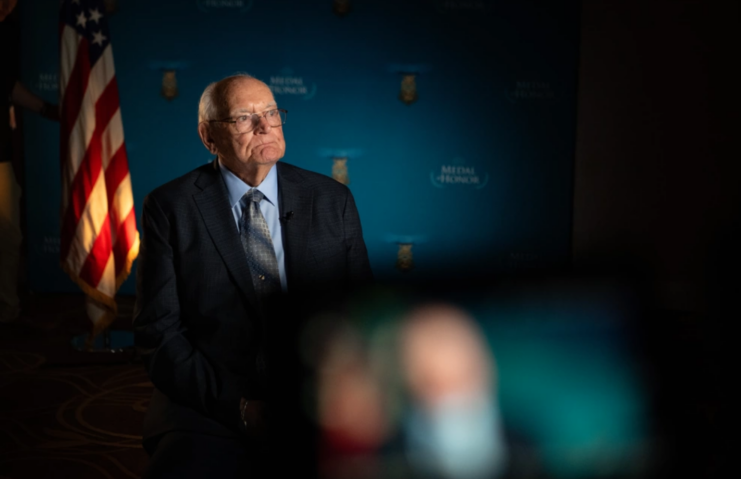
258	245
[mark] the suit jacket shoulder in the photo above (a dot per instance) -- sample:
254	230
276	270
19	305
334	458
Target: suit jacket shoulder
316	182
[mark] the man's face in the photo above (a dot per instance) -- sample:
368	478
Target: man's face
264	145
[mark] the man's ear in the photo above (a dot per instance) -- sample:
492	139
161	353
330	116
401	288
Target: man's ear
204	131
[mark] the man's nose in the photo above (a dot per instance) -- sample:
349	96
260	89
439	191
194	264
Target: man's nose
262	125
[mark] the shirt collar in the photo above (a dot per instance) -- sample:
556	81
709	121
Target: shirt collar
237	188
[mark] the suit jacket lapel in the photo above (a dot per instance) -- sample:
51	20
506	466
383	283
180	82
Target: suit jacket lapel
296	213
213	204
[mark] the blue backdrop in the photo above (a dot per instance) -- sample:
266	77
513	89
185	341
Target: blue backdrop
476	173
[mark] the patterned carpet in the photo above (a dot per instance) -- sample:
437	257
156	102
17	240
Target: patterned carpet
65	413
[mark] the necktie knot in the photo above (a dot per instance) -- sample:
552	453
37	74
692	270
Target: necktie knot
254	195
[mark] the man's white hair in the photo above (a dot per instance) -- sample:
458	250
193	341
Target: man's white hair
207	105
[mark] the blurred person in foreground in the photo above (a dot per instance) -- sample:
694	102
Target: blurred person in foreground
453	428
221	245
12	93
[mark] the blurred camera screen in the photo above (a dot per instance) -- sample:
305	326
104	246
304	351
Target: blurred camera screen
539	378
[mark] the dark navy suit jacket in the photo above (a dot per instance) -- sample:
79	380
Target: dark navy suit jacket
197	323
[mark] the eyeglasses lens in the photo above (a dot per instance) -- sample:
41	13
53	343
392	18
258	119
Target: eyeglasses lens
273	117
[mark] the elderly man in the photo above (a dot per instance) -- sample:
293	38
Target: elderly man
219	244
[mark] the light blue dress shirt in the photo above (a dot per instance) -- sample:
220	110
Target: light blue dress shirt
270	209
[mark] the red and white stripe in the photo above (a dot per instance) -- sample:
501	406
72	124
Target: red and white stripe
99	239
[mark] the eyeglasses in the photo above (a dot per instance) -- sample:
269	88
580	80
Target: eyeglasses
247	123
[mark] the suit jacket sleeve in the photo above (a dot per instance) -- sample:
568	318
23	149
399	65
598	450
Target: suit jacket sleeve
175	366
358	265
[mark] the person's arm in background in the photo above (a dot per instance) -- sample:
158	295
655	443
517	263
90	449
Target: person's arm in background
22	96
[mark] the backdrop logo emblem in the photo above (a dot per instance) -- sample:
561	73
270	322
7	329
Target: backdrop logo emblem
408	93
209	6
339	158
169	84
404	258
341	7
339	170
530	91
458	173
287	83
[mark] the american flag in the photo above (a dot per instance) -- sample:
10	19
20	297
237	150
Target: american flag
99	239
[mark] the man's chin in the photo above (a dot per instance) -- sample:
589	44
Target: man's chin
269	156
